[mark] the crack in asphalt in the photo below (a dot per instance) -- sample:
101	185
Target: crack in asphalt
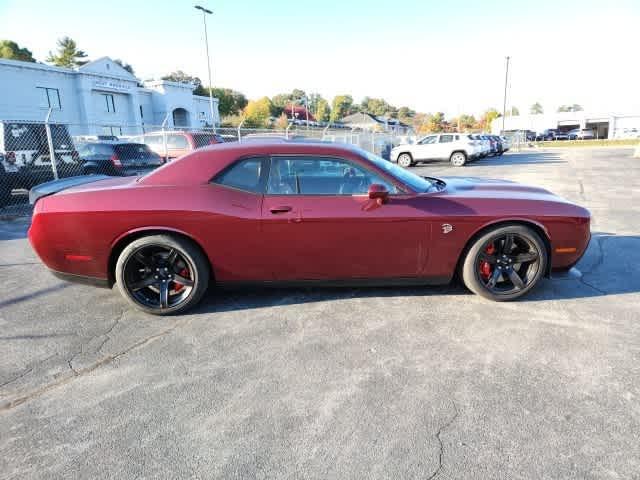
77	373
18	377
439	432
27	371
99	349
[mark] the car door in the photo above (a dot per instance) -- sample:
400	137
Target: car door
445	144
426	148
318	223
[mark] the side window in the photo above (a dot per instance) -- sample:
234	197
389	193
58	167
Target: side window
320	176
177	141
428	140
446	138
244	175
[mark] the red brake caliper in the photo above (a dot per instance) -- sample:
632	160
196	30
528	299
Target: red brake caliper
179	286
485	267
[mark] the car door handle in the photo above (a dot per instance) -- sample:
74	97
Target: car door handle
280	209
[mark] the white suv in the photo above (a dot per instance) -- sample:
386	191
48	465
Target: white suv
458	148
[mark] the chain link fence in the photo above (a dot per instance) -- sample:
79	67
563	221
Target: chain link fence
33	152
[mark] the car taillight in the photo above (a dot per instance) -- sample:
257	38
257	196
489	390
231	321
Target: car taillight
116	160
11	157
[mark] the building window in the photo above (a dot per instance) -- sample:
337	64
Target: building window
110	104
109	130
49	98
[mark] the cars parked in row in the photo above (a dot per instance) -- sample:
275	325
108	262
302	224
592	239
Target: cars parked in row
25	162
457	148
117	158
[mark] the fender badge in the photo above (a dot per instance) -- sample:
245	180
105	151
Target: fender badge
447	228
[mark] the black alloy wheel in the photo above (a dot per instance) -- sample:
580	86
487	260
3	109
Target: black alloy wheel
505	263
162	274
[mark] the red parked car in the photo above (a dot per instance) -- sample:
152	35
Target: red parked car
170	145
290	212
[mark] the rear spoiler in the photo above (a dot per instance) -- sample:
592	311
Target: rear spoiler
55	186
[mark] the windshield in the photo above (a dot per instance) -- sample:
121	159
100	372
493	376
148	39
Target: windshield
419	184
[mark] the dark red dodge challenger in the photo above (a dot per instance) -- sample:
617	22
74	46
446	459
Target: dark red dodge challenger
289	212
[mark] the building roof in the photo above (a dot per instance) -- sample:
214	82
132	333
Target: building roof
300	112
363	117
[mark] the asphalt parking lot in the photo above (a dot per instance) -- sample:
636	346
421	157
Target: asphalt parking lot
339	383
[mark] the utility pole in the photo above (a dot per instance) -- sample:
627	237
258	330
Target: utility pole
206	12
504	104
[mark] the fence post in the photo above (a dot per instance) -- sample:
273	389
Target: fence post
164	138
52	153
240	131
324	132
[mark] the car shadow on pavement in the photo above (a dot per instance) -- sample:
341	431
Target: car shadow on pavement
611	266
525	158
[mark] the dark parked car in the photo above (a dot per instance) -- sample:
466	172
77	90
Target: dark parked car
118	158
293	212
546	135
25	159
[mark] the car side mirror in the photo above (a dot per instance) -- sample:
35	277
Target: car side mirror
378	192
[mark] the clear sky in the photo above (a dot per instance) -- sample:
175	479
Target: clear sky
432	56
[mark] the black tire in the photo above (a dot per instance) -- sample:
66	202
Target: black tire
503	267
405	160
458	159
171	257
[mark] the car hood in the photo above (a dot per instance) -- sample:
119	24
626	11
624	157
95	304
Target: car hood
489	188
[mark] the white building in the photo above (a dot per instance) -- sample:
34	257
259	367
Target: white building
99	98
603	125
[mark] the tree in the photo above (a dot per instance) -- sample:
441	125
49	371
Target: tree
341	106
282	122
12	51
125	65
230	102
487	117
181	77
514	111
67	54
570	108
406	115
322	112
536	109
374	106
463	123
257	112
282	100
435	122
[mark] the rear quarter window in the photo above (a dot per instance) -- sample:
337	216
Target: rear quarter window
247	175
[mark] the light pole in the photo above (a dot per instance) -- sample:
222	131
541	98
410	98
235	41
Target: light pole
206	12
504	104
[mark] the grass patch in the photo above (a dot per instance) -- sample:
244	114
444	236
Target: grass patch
626	142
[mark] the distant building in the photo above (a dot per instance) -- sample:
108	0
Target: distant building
99	98
299	113
366	121
603	125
